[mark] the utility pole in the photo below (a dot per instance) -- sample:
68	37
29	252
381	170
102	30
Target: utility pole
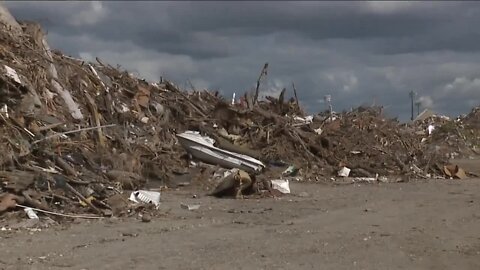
418	103
328	100
412	97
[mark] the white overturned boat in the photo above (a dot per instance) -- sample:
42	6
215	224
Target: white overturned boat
202	148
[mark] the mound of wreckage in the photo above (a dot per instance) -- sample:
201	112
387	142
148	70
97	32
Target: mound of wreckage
90	140
456	138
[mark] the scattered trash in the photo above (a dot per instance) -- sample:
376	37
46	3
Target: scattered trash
61	214
190	207
304	120
344	172
234	183
4	110
30	213
454	171
144	120
146	196
365	179
383	179
281	185
290	171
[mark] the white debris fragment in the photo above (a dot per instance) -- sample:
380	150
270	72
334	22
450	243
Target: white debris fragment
146	196
430	129
344	172
30	213
281	185
4	110
307	120
12	74
190	207
124	108
144	120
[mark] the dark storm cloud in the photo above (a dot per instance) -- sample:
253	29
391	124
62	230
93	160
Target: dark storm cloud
360	52
171	27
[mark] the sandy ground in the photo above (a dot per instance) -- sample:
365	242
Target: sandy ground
421	225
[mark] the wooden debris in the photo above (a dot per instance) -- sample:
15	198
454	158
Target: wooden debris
55	143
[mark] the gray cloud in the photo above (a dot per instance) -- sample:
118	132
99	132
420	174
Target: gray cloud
360	52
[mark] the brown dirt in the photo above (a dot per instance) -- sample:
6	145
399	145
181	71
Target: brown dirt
416	225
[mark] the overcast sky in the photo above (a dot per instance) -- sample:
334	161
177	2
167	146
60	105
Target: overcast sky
359	52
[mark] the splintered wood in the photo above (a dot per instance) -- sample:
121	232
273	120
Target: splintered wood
78	136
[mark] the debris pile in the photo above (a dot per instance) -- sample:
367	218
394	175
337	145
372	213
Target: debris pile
459	138
371	145
76	136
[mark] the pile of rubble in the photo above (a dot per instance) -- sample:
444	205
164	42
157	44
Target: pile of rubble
84	138
452	138
370	145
